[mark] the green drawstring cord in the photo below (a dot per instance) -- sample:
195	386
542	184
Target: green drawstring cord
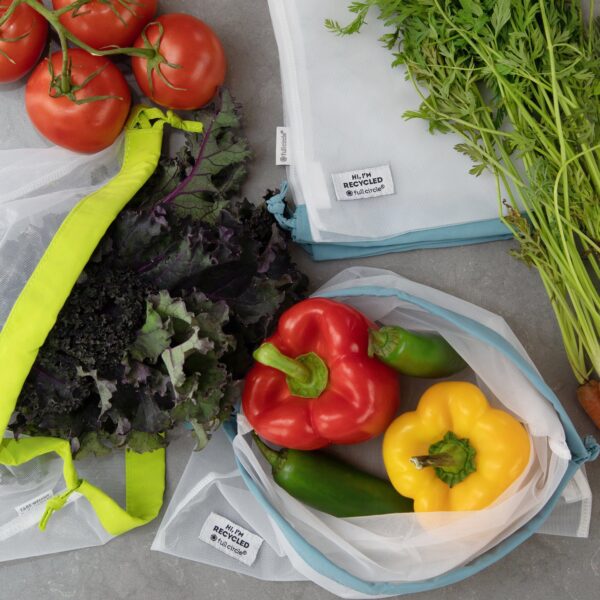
55	504
145	116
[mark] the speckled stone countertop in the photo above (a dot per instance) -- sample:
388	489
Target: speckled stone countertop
544	567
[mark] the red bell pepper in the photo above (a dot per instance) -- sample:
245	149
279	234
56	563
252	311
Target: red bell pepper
314	383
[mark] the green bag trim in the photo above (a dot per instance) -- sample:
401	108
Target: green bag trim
35	311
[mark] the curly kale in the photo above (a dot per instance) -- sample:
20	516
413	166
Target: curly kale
92	333
161	326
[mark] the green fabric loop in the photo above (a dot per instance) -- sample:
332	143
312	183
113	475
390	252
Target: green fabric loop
55	504
144	483
35	312
144	115
177	122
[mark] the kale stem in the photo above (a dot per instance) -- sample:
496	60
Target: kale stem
206	136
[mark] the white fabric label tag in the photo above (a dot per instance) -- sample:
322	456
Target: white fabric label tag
231	539
282	147
363	183
33	503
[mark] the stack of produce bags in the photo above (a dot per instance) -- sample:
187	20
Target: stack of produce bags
343	108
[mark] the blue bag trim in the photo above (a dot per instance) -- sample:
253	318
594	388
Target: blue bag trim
490	337
321	564
277	207
582	451
298	225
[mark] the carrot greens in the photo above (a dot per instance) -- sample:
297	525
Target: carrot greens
519	82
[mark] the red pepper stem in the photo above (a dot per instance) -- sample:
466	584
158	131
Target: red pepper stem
307	375
269	355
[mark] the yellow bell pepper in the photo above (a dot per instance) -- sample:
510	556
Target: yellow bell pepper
454	452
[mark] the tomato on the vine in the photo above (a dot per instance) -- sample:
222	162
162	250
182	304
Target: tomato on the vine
190	64
102	23
22	39
91	115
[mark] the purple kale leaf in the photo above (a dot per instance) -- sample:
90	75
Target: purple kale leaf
160	329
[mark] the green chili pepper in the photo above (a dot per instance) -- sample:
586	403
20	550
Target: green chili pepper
414	354
330	485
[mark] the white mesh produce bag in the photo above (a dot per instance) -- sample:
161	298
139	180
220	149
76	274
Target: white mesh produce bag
393	554
41	183
55	206
343	106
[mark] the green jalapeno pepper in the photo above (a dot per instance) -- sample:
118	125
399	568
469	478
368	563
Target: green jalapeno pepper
330	485
414	354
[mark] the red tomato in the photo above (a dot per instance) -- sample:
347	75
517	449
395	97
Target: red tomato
108	23
87	127
198	60
18	57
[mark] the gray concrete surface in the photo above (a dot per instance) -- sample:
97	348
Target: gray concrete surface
543	568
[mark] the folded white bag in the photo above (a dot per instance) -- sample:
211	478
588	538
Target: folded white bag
391	554
212	484
343	105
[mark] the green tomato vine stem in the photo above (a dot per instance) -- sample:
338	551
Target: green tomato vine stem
65	78
65	86
9	11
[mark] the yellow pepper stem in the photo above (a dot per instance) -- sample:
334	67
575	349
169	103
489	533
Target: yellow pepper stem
427	460
452	458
